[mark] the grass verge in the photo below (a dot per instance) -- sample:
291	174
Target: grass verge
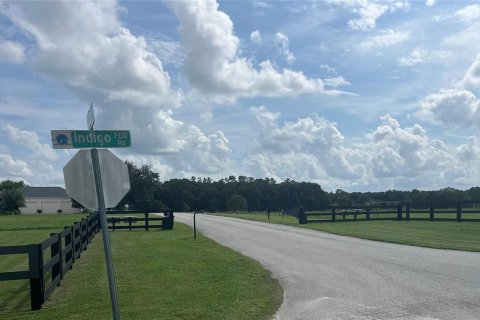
432	234
159	275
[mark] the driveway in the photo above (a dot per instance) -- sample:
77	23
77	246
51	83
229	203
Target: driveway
326	276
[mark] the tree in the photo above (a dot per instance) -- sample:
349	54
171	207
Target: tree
11	197
237	203
144	183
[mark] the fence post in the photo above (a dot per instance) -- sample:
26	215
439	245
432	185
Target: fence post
69	240
333	214
146	221
407	211
130	223
56	248
367	217
35	262
459	211
432	212
302	218
399	212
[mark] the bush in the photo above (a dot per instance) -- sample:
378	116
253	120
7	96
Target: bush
39	210
59	211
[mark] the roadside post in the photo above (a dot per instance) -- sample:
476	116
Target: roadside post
96	178
195	224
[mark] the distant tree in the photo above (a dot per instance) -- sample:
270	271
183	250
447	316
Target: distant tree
144	183
237	203
11	197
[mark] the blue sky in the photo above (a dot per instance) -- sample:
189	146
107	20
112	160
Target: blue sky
358	94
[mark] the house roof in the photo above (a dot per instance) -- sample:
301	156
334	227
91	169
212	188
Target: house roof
44	192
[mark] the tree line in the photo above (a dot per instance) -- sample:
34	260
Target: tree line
250	194
149	193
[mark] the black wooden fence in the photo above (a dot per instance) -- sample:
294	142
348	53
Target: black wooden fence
65	248
128	221
428	211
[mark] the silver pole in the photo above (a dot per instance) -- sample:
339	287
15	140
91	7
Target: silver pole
106	241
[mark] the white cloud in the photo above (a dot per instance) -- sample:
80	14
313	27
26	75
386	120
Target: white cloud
213	64
310	148
468	13
169	52
369	11
260	4
451	107
469	151
256	36
313	149
281	40
11	52
336	82
31	141
406	152
95	56
420	55
472	77
102	61
386	38
430	3
11	168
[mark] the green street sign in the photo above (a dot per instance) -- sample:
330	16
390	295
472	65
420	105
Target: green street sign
78	139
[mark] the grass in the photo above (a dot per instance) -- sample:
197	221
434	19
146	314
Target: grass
159	275
437	234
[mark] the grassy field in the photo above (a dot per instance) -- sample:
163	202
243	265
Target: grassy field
437	234
160	275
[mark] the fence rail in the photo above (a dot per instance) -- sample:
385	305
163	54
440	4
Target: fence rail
133	222
426	211
65	247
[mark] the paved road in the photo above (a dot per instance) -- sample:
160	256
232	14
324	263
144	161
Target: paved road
326	276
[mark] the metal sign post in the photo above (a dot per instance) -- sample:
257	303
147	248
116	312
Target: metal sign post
103	219
106	240
80	181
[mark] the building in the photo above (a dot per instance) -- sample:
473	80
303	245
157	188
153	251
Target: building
46	200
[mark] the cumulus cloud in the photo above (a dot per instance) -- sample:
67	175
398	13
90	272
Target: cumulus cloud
315	142
468	13
256	36
469	151
312	148
430	3
11	52
471	79
451	107
31	141
281	40
100	60
420	56
386	38
214	66
13	169
406	152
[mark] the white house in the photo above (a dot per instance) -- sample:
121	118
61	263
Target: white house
46	200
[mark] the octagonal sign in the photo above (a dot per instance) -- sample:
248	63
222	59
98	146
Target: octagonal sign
80	181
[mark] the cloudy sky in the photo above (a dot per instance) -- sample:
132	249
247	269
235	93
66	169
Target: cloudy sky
352	94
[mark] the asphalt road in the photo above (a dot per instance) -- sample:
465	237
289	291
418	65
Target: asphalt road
326	276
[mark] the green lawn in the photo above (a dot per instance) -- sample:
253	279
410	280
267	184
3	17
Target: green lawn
160	275
437	234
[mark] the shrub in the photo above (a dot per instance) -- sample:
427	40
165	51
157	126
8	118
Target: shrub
59	211
39	210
